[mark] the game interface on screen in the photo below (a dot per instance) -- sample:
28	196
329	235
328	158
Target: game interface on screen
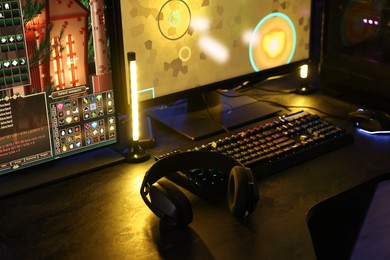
56	94
185	44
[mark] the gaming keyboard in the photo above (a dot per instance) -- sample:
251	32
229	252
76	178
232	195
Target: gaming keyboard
266	148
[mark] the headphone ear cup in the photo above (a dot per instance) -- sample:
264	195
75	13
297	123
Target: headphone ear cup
173	205
242	192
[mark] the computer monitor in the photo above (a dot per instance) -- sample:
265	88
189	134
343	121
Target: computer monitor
187	48
56	92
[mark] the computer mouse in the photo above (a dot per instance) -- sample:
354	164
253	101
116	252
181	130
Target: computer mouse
371	121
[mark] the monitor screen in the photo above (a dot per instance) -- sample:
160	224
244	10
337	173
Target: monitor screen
56	91
185	50
182	45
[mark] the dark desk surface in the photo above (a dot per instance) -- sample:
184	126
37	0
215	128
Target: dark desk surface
100	215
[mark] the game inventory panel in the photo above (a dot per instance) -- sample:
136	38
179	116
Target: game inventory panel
14	69
76	123
84	121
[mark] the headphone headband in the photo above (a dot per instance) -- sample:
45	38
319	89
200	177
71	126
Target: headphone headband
189	161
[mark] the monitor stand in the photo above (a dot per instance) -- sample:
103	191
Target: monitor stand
222	112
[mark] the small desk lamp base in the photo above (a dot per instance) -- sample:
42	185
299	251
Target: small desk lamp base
304	88
136	154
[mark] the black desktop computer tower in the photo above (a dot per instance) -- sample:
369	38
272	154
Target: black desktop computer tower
355	59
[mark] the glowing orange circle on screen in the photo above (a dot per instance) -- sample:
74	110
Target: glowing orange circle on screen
273	42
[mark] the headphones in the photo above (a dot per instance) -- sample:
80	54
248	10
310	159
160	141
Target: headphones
170	204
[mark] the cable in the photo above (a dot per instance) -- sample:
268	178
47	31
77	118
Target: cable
256	98
257	85
286	107
286	91
210	116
